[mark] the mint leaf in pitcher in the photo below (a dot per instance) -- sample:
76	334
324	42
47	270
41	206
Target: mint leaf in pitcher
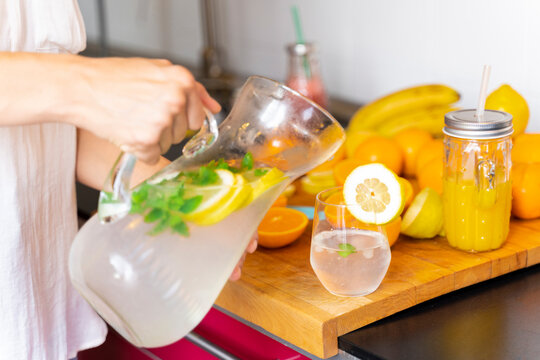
247	161
191	204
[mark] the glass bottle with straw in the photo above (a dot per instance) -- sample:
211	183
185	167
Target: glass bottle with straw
477	191
304	73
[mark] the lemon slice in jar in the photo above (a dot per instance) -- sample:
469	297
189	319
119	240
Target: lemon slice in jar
374	194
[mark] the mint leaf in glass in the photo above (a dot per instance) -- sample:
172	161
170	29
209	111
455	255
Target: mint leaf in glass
346	249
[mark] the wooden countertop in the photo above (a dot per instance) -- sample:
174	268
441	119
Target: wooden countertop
279	291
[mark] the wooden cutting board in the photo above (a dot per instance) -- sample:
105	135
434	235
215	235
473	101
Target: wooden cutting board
279	291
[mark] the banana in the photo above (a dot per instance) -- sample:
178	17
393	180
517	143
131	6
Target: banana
431	119
400	103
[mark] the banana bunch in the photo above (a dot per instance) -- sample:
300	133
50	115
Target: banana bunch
421	106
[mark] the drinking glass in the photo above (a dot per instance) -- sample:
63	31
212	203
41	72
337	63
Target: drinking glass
350	258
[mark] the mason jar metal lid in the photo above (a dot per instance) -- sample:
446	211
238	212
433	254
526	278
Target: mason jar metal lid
463	124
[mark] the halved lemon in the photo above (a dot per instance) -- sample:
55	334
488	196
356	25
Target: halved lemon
214	196
373	194
230	203
424	217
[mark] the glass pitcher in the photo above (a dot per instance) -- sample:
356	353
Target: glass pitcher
156	267
477	192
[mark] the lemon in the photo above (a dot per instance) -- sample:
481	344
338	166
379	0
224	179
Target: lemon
289	190
314	187
321	176
232	202
259	184
374	194
424	217
214	196
505	98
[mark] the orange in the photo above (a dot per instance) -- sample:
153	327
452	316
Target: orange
340	217
329	164
393	229
354	139
343	168
411	140
281	201
431	150
281	226
526	190
431	175
378	149
272	153
526	148
409	191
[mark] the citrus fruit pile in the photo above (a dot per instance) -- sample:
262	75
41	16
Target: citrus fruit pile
412	153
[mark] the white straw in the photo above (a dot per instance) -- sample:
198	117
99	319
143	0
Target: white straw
483	92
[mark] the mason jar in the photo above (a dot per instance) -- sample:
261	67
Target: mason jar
477	189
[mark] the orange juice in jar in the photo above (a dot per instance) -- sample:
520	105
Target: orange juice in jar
477	190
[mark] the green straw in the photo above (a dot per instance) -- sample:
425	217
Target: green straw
300	36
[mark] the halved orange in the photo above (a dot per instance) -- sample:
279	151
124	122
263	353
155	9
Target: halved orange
281	201
281	226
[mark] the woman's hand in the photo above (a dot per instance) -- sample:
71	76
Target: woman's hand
237	272
141	105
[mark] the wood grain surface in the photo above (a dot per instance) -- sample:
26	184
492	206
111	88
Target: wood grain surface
279	291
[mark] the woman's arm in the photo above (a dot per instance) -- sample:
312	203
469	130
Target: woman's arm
142	105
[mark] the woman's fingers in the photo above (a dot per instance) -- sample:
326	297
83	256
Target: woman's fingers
207	100
195	111
180	125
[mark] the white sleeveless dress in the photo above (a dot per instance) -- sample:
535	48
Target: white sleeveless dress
41	315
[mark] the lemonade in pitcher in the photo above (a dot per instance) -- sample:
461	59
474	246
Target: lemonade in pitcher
170	219
158	259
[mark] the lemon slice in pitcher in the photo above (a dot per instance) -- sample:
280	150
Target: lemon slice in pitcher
213	196
241	191
261	180
374	194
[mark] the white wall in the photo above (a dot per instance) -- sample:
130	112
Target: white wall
368	48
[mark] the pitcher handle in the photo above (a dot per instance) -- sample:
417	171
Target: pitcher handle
115	198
